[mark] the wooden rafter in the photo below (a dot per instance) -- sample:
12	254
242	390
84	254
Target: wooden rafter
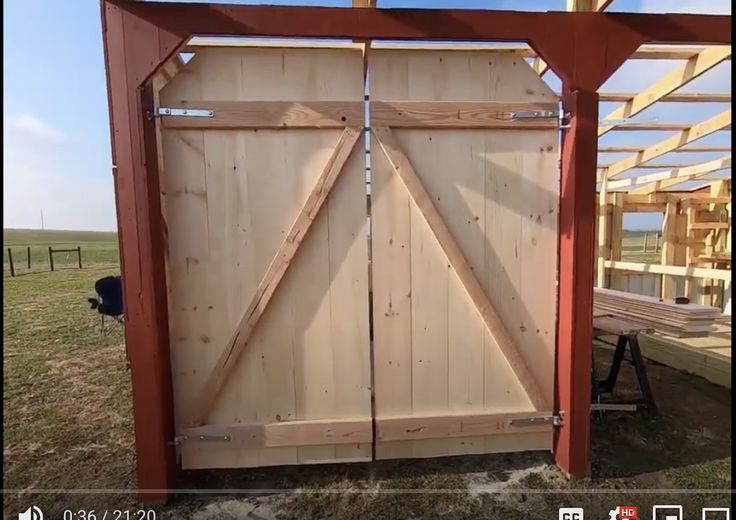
403	168
692	173
655	166
637	149
670	98
274	274
656	127
650	183
682	75
682	138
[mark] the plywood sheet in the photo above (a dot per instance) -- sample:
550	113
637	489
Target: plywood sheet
498	192
230	196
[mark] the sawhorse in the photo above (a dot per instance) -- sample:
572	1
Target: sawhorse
627	332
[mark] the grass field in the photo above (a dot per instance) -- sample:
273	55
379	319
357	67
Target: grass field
98	248
67	425
632	247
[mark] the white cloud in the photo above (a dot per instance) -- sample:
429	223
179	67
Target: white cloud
37	128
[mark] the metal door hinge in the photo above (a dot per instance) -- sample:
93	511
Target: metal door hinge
180	112
534	114
553	419
564	120
200	438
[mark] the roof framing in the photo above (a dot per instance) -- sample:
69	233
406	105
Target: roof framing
681	138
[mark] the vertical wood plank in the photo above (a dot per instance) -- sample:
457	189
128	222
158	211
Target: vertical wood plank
669	244
469	175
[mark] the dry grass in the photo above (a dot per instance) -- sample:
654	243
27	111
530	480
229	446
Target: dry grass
66	392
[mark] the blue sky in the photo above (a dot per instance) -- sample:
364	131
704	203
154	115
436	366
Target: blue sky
55	118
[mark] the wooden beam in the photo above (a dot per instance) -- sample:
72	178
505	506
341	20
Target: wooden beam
655	166
651	180
540	66
270	114
674	97
693	133
682	75
637	149
602	234
448	114
669	244
403	168
660	181
581	5
283	434
616	236
656	127
673	270
281	261
645	52
451	426
707	200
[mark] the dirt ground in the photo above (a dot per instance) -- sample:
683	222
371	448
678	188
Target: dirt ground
636	459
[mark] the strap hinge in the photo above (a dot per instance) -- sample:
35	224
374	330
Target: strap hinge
534	114
180	112
552	419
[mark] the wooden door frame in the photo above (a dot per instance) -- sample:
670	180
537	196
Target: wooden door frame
583	49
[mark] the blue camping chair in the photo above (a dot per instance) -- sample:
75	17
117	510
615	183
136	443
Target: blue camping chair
109	301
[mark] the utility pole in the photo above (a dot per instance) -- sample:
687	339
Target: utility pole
42	228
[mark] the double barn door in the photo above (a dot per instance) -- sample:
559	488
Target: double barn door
329	306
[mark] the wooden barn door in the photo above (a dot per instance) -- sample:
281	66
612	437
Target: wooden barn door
464	208
263	187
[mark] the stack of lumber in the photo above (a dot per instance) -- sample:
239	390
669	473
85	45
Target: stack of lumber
665	316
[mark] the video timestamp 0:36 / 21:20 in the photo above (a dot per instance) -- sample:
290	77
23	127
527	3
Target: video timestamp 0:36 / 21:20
110	514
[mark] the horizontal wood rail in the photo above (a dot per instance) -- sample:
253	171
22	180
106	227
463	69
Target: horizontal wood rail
450	114
341	114
645	52
283	434
270	114
448	426
672	270
357	430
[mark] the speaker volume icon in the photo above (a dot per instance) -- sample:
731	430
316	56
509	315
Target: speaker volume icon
32	513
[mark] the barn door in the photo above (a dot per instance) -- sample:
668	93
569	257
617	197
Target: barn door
263	187
464	202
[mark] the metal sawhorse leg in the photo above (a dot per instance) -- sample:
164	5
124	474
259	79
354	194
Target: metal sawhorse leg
607	385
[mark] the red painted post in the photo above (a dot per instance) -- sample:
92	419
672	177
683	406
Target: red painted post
129	60
577	256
